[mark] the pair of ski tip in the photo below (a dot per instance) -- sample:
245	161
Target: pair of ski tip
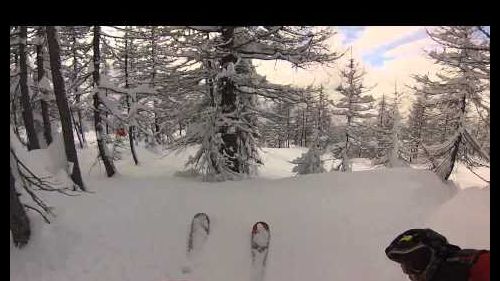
203	220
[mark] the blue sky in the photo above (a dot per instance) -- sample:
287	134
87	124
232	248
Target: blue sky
378	56
351	33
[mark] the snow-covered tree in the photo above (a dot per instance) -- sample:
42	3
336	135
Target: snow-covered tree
310	162
417	124
99	107
76	58
232	143
304	118
63	107
382	128
457	87
19	221
356	106
276	128
124	58
323	111
42	85
390	134
27	112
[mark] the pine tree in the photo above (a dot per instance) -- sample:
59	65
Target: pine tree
42	86
417	123
396	155
389	133
125	56
382	128
98	107
310	162
27	112
276	128
62	105
230	46
306	117
324	112
128	54
14	83
19	221
356	106
76	57
458	86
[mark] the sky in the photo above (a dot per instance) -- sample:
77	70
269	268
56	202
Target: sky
388	54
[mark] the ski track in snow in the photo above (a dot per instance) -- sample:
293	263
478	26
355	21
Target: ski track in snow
331	226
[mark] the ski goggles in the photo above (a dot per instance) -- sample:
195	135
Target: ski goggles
413	260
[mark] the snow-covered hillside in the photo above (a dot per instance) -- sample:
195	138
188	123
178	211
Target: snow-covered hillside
331	226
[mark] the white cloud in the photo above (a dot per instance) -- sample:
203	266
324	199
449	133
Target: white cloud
375	36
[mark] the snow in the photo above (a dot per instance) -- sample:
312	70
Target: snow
329	226
43	162
45	85
465	179
90	68
463	216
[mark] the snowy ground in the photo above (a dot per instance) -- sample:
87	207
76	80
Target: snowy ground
331	226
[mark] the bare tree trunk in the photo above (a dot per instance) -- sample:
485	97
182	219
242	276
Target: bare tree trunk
130	128
131	137
77	94
457	143
288	127
101	144
106	114
77	130
14	119
62	106
302	141
19	221
445	133
211	92
157	126
228	103
47	129
305	123
80	121
25	99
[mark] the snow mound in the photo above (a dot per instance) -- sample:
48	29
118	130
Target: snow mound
465	219
331	226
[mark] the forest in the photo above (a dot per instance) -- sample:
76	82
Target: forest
168	88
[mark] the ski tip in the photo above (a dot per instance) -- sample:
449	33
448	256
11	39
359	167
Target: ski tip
200	222
201	215
259	225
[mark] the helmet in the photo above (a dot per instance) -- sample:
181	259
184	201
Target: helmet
417	249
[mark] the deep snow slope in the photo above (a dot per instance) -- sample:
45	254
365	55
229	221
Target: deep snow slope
465	219
331	226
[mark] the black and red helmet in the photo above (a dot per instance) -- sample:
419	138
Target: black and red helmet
416	249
